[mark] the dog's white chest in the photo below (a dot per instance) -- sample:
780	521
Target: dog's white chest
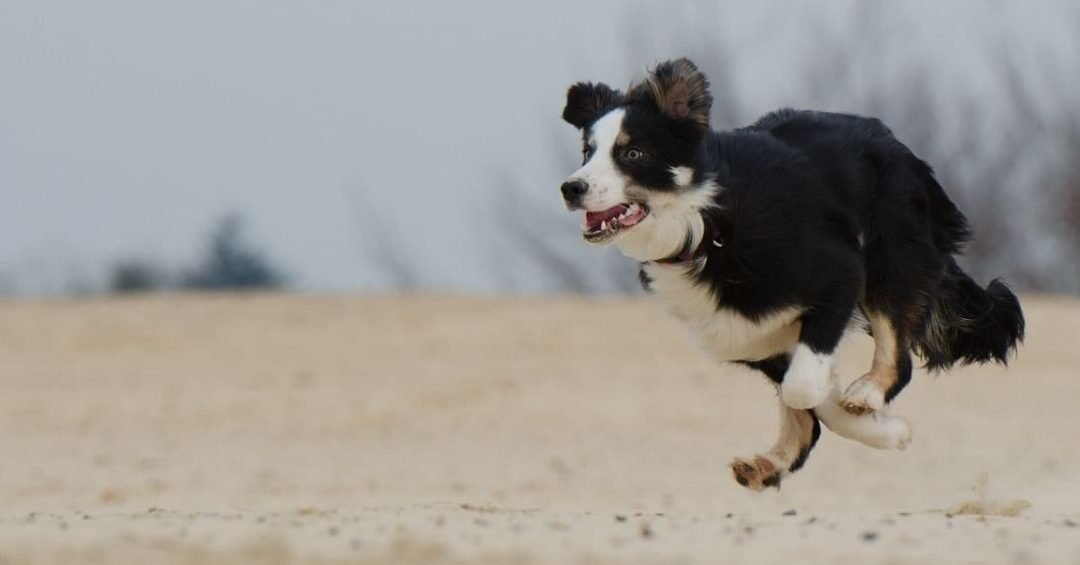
723	333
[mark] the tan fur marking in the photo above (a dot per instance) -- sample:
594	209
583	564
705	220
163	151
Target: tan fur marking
883	369
679	89
882	373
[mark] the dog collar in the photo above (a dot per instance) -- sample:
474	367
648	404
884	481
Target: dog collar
687	254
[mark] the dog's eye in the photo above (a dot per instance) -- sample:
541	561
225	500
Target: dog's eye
633	154
586	152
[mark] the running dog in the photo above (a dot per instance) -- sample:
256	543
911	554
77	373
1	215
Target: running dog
768	242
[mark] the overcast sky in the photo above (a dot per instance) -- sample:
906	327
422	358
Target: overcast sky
127	128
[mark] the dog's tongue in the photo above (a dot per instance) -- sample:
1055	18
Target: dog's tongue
594	218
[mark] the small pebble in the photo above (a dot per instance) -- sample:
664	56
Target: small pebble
869	536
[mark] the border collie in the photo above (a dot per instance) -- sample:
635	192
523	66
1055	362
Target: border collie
769	241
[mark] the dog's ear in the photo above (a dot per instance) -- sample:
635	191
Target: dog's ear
585	101
679	90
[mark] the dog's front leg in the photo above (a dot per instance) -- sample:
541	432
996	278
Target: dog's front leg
806	382
799	431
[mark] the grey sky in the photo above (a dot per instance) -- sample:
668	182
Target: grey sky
128	127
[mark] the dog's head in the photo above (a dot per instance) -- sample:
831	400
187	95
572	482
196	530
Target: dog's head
638	176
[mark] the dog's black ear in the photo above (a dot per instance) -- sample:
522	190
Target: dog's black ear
679	90
585	101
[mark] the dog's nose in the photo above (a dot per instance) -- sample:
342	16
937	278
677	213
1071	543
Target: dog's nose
573	190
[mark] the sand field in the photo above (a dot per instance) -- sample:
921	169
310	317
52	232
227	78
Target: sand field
449	429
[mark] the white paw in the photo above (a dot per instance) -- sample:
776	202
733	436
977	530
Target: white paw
896	432
879	430
806	383
882	431
863	397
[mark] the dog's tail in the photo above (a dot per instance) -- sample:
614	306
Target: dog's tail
948	226
966	323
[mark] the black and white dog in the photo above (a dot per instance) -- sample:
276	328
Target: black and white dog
769	241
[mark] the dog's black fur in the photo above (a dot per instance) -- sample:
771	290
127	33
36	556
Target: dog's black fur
820	209
828	212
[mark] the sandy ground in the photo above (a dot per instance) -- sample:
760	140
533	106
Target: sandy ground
292	429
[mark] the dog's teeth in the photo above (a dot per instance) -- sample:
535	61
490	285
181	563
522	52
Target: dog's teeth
603	225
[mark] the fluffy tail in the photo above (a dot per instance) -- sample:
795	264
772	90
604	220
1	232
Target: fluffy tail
969	324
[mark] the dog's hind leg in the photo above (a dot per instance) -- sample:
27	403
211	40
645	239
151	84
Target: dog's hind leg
904	264
891	369
799	431
880	429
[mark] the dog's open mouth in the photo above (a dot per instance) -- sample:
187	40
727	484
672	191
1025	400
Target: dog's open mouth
601	226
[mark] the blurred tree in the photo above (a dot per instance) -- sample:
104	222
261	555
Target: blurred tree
136	275
7	284
385	244
231	263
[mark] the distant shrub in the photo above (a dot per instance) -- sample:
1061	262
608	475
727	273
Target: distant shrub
232	263
136	275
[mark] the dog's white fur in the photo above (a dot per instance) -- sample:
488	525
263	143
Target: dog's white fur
723	333
683	176
806	383
607	185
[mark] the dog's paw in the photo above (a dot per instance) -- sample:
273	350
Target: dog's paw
756	474
863	397
878	430
896	432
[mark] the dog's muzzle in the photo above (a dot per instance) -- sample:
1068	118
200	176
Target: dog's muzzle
573	192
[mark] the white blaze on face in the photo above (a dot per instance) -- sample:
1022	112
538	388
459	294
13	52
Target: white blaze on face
607	185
